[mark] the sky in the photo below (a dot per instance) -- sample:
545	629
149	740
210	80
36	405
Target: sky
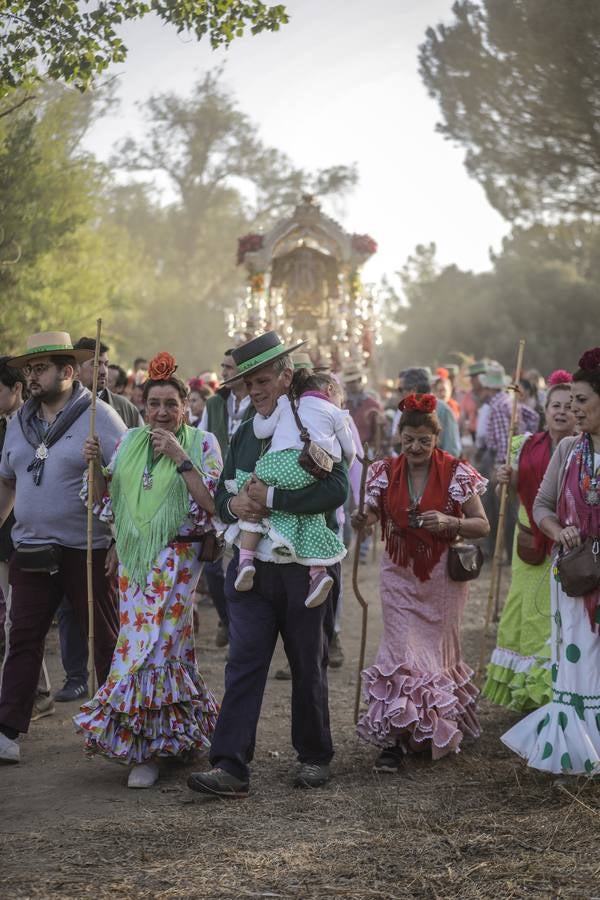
338	84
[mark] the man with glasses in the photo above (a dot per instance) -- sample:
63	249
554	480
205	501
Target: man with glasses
41	475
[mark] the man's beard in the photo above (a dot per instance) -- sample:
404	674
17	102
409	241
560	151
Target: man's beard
49	394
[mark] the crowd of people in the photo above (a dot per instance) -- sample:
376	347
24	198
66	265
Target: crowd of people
267	461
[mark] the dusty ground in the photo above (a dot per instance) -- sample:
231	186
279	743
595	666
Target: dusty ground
477	825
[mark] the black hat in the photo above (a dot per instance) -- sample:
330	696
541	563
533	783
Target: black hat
260	351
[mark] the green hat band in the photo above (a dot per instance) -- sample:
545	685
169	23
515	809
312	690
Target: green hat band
47	348
261	358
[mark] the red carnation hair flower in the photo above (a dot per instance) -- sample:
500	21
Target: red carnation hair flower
418	402
590	360
561	376
162	366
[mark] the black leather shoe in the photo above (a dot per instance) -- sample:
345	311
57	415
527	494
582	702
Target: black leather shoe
218	783
312	775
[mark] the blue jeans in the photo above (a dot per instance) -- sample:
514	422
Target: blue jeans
274	606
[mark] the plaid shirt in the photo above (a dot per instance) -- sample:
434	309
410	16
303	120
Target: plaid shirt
496	436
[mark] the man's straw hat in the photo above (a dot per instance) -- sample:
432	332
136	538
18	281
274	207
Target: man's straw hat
50	343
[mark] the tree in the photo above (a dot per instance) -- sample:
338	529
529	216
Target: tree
66	40
518	84
543	287
222	181
60	265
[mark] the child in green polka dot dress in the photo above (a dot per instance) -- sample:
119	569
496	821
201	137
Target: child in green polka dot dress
301	538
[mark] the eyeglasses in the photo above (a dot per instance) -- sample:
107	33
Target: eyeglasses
409	441
37	369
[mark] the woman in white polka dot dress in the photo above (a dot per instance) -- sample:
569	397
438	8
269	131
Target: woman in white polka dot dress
301	538
563	736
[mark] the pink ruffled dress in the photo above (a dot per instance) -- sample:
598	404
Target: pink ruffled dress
419	689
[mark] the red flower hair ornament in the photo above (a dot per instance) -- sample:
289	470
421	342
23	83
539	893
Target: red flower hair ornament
590	360
561	376
418	402
162	366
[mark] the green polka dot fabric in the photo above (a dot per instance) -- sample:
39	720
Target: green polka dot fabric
564	734
303	538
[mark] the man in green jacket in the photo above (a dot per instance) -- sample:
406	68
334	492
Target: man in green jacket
275	605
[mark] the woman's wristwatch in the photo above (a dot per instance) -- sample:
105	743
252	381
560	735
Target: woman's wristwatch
186	466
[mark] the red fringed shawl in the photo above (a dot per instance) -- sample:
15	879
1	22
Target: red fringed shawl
533	462
416	546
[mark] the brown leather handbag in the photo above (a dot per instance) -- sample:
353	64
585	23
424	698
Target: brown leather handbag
579	569
464	561
313	459
527	547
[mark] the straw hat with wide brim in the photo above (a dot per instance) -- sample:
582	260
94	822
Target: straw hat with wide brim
352	372
260	351
50	343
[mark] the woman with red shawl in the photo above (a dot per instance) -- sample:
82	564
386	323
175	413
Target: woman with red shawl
563	736
518	674
419	691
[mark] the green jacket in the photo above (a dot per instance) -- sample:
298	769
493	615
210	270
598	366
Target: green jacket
325	496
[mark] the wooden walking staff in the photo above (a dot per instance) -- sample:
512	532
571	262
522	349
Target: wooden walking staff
90	521
363	603
492	601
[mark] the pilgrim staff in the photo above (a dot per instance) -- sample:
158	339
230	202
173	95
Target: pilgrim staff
362	602
90	519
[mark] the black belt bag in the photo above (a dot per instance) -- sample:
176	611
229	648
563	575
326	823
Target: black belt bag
38	558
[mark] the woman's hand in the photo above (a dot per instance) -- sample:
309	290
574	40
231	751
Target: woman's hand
569	537
91	449
504	474
111	564
435	521
165	442
363	520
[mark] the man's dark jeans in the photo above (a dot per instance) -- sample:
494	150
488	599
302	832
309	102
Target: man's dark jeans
215	579
35	599
274	606
73	644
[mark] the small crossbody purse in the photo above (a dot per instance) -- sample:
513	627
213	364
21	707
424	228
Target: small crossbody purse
313	459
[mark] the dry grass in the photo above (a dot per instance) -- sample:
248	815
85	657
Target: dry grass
477	825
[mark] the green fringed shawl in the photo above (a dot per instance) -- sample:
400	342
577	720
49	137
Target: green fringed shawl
146	520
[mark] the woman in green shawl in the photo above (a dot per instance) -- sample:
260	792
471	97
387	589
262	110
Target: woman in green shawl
158	491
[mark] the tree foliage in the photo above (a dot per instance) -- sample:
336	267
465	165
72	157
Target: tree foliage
73	41
159	267
518	85
543	287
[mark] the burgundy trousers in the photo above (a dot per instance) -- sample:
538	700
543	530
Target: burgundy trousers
35	598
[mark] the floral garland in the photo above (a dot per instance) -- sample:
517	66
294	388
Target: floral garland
363	244
250	243
162	366
419	403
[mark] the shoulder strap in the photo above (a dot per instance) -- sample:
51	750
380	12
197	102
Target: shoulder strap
305	436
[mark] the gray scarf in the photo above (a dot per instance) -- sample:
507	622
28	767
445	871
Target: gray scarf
41	440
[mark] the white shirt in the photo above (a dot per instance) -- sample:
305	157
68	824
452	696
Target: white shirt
327	424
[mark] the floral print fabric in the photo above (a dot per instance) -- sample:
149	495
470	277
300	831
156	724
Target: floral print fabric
154	702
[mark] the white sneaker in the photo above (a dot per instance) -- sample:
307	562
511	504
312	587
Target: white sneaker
143	776
10	752
245	576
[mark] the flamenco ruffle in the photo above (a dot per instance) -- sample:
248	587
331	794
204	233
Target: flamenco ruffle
558	738
154	712
419	710
517	682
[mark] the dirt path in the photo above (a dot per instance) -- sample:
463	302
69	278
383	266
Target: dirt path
476	825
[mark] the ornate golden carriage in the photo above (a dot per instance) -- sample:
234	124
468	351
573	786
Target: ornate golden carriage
303	280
